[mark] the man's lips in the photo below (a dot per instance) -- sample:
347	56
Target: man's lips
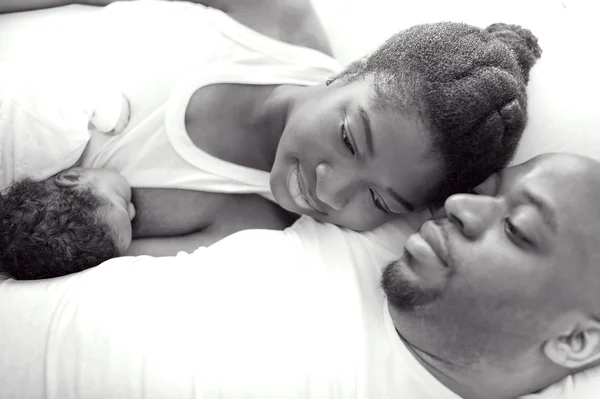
433	234
428	247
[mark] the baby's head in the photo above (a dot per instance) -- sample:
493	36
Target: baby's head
433	111
67	223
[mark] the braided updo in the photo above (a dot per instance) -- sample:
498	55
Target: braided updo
466	85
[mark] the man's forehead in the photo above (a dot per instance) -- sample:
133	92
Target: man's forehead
556	168
524	174
567	184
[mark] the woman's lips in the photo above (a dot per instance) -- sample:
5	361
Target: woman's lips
131	211
307	193
296	192
300	194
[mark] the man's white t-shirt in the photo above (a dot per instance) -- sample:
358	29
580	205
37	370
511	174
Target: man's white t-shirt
260	314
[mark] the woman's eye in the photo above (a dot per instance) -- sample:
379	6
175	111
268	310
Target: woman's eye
346	140
378	203
514	233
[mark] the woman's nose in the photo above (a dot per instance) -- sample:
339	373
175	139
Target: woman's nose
472	214
332	186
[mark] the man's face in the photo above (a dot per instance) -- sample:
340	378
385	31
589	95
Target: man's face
507	262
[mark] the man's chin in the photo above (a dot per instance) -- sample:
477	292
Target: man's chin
404	290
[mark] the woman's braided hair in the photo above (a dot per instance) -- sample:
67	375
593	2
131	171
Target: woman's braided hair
466	85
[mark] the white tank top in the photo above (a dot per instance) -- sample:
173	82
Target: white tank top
155	149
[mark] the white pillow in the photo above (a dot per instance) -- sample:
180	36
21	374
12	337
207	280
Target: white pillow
356	27
564	101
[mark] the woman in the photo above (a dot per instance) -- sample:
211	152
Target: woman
220	109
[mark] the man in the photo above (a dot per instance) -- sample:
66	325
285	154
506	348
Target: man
495	300
501	297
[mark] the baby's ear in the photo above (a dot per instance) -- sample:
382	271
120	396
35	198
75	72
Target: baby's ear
70	178
577	348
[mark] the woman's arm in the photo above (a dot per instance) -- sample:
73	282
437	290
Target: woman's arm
8	6
169	246
291	21
227	225
201	219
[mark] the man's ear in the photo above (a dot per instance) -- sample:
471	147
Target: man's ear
69	178
576	348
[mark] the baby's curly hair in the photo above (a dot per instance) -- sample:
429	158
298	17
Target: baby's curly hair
47	231
465	84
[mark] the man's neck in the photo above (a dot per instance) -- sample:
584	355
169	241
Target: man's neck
447	375
469	381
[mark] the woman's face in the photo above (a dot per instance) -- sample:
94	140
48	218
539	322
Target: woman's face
345	161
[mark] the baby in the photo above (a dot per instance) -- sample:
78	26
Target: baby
67	223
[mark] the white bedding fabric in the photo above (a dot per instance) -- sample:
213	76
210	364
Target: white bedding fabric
307	321
51	116
563	116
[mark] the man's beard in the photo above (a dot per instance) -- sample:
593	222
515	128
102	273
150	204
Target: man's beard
402	293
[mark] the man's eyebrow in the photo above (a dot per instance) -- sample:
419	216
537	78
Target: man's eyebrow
405	203
548	213
366	120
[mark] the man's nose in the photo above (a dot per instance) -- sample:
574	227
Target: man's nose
332	186
472	214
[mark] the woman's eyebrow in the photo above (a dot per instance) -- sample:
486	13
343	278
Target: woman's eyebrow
366	121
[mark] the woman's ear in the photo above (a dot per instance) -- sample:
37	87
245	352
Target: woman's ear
577	348
69	178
